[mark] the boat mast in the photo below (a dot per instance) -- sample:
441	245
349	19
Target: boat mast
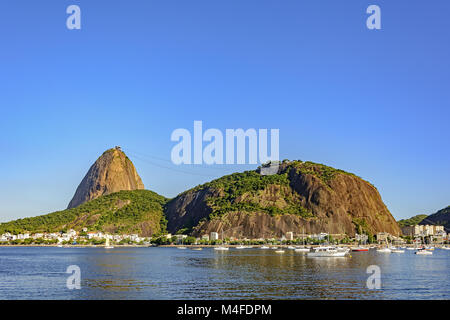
303	236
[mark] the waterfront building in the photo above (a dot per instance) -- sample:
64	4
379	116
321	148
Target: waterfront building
383	236
320	236
361	237
289	236
214	236
422	230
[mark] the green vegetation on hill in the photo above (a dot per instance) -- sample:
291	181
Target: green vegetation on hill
323	172
242	192
412	221
137	211
237	192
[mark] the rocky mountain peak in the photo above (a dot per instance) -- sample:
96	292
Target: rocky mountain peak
112	172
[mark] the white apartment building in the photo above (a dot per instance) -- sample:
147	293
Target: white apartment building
423	230
214	236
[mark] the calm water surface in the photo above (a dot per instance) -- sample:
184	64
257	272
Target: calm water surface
170	273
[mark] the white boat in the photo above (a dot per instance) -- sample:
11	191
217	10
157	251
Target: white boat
302	250
274	248
291	248
240	247
197	249
346	250
107	245
326	252
423	252
221	248
411	248
279	251
182	245
445	248
60	245
385	249
397	251
264	247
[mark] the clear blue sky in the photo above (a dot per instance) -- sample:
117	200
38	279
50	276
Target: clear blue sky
376	103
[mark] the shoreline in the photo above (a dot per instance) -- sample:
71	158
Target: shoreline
171	246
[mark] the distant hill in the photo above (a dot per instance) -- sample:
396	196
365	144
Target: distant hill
413	221
137	211
301	195
442	218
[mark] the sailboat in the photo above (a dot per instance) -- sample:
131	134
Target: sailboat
414	242
182	247
221	248
385	250
107	245
302	249
360	248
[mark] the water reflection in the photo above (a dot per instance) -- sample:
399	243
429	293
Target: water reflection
168	273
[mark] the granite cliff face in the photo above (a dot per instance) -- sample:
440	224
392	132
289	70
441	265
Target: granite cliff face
301	196
112	172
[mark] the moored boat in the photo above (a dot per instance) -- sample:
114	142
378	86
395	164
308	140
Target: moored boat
360	249
326	252
221	248
423	252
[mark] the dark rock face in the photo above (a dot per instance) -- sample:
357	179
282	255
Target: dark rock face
441	218
337	203
112	172
345	202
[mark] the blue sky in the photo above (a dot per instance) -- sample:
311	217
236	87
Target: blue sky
376	103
